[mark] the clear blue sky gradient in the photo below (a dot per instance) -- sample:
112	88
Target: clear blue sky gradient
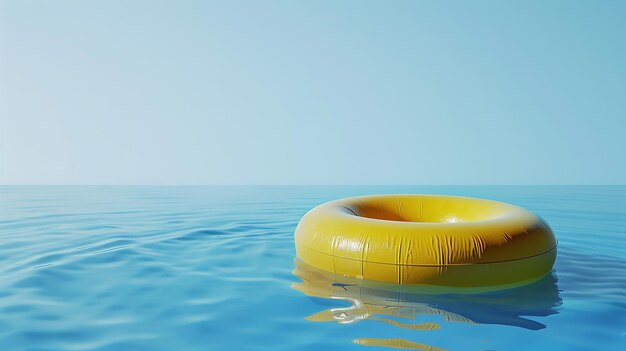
313	92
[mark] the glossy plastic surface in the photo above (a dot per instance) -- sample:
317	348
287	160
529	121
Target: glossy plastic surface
427	239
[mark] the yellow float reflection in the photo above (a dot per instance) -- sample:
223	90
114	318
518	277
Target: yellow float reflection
386	303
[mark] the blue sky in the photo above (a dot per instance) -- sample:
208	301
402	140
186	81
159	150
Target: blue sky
312	92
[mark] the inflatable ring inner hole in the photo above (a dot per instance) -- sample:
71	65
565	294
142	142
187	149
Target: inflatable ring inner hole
426	210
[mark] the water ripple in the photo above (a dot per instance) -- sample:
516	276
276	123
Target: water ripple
210	268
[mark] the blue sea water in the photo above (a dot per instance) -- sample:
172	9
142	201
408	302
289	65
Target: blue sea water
212	268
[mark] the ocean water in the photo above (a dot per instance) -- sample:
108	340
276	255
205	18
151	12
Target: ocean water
213	268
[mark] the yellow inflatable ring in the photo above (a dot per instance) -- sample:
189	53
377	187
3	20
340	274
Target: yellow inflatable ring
427	240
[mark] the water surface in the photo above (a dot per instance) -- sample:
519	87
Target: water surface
212	268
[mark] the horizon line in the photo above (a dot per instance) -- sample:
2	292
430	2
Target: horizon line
299	185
